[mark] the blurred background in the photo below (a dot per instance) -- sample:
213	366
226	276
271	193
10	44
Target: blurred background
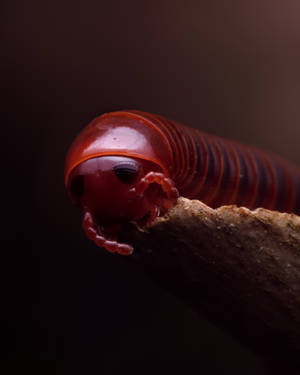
229	68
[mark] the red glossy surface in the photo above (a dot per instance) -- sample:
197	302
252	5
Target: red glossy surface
120	133
105	196
130	165
219	172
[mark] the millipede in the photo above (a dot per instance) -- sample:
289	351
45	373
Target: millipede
131	166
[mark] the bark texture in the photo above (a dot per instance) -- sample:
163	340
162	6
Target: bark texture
240	267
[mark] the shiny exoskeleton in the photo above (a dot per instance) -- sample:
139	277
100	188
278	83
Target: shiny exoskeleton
131	166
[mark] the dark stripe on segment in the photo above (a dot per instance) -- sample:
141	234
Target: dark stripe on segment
212	181
192	160
230	181
218	169
201	168
285	191
188	158
242	192
252	171
296	182
291	189
279	188
266	196
204	193
225	176
248	184
263	181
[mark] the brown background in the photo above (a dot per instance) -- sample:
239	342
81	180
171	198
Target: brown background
230	68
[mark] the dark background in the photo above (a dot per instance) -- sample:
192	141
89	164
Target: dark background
230	68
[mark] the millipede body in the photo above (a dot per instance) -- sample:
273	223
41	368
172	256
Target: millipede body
132	166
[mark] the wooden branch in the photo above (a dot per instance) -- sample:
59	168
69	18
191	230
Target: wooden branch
240	267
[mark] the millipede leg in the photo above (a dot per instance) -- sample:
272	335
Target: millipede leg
166	184
160	203
88	225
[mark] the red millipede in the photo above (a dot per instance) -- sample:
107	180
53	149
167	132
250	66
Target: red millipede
132	166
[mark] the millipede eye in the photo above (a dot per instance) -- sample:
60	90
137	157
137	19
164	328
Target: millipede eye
77	186
126	173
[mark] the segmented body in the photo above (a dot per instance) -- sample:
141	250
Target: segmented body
131	166
221	172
